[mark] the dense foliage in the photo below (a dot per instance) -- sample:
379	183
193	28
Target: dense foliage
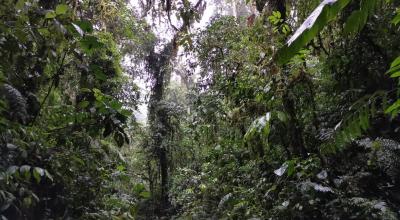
290	112
62	113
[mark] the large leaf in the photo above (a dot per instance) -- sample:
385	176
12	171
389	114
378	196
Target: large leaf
85	25
281	170
394	70
98	72
78	29
319	18
38	173
396	20
358	18
90	43
395	63
61	9
259	126
50	15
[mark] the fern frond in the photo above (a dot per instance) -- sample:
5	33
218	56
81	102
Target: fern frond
357	122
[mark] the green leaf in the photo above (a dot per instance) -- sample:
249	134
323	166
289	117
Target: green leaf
86	90
100	76
25	171
20	4
48	175
138	188
84	104
24	168
98	72
145	194
291	168
120	168
116	105
282	116
50	15
319	18
90	43
119	138
78	29
44	32
353	23
61	9
393	108
395	63
125	112
38	173
396	20
85	25
393	70
358	19
395	75
259	126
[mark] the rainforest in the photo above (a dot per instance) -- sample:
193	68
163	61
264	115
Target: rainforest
199	109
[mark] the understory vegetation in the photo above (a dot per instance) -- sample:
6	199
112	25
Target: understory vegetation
282	109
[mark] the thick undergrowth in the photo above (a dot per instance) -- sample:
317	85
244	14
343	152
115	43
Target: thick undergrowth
255	110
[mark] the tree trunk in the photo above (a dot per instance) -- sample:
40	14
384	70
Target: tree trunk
158	66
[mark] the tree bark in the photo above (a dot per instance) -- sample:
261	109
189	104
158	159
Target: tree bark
158	66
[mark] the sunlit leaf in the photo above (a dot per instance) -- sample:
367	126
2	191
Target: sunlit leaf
281	170
44	32
84	104
319	18
396	20
145	194
24	168
395	75
394	108
61	9
48	175
38	173
50	15
78	29
120	168
395	63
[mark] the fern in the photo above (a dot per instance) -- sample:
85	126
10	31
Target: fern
394	72
357	122
369	207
